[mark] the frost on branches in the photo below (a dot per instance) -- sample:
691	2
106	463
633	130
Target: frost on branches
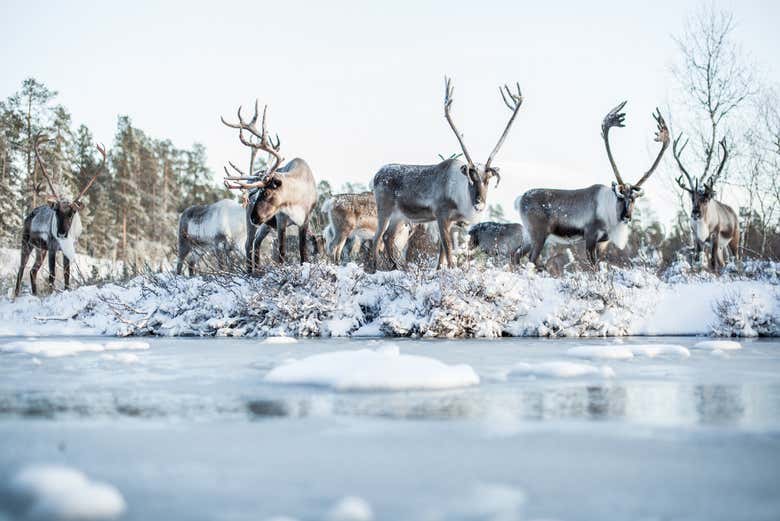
326	300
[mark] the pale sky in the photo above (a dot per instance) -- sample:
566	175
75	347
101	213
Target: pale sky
355	85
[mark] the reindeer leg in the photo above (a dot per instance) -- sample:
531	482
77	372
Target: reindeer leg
389	242
66	271
383	221
536	248
39	255
183	252
444	237
53	267
281	240
259	237
302	235
26	250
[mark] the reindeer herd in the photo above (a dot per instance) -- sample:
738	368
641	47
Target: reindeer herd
404	198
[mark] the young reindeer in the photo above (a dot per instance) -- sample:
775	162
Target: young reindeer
598	214
448	192
52	227
711	220
352	216
285	195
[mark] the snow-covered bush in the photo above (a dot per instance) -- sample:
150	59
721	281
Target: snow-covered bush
746	315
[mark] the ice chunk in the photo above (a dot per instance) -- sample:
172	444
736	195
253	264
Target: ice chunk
659	350
280	340
58	348
52	492
351	508
722	345
373	370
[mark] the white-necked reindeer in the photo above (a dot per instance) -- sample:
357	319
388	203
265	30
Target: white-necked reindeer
711	220
598	214
448	192
217	227
55	226
285	195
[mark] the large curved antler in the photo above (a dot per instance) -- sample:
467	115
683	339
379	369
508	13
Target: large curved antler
614	118
661	136
265	144
102	151
448	90
677	153
513	102
710	184
40	138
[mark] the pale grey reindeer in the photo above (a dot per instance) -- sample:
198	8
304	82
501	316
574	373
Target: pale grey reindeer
448	192
55	226
497	239
711	220
353	217
598	214
217	227
285	196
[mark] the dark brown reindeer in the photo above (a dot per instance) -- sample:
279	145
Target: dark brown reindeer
598	214
448	192
711	220
52	227
284	196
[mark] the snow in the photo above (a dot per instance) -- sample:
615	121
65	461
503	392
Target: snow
384	369
326	300
58	348
557	369
52	492
718	345
351	508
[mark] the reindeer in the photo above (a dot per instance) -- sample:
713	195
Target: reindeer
352	217
598	214
497	239
52	227
218	226
711	220
447	192
285	195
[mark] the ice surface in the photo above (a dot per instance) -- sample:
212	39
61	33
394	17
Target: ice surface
561	370
384	369
351	508
720	345
606	352
52	492
279	340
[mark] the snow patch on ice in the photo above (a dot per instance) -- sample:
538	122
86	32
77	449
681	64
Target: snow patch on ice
52	492
125	358
560	370
385	369
351	508
719	345
659	350
59	348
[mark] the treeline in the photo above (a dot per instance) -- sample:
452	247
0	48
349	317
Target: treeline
131	210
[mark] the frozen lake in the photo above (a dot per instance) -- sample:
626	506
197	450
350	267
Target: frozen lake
555	429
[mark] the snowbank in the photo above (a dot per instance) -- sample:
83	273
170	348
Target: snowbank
50	492
384	369
58	348
327	300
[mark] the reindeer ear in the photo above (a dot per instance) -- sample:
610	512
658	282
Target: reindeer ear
464	169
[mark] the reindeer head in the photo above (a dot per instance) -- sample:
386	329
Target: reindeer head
628	193
701	190
479	175
272	191
64	210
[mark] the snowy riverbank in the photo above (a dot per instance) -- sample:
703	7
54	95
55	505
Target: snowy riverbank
325	300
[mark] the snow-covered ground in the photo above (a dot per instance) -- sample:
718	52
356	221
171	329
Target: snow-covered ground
325	300
545	429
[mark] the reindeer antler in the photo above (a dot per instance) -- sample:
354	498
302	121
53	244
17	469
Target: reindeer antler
513	102
265	144
448	90
102	151
710	184
40	138
661	136
677	153
614	118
